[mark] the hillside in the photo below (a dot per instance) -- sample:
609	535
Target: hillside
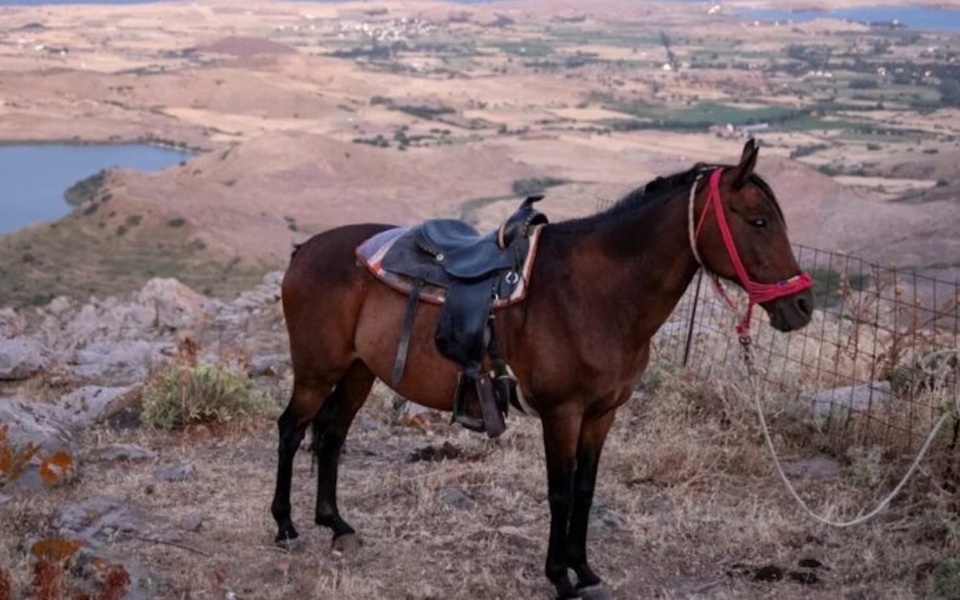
305	118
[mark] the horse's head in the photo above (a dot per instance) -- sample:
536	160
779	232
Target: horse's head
738	233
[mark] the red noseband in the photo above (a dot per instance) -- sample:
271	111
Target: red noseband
756	292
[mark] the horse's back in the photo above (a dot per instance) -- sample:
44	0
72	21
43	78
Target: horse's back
329	256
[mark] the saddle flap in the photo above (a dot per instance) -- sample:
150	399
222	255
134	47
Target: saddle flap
468	263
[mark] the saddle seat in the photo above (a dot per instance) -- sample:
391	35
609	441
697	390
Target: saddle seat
448	262
466	254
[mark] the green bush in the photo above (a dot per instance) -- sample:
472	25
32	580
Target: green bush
179	395
946	579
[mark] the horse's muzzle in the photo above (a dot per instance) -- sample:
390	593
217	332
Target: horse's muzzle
790	312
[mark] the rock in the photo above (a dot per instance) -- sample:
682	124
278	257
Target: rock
121	452
96	517
365	422
118	363
275	365
93	521
855	398
91	404
49	430
20	358
175	474
127	417
175	306
266	293
456	498
4	499
12	324
813	468
604	520
660	505
768	573
191	523
44	425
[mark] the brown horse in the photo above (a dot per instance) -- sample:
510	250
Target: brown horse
600	289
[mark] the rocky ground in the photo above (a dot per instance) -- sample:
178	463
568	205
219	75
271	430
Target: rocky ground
687	506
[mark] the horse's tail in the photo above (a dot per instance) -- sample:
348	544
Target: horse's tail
296	248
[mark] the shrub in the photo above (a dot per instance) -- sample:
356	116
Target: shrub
535	185
12	460
176	222
187	392
946	579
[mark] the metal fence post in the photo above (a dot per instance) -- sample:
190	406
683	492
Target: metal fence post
693	318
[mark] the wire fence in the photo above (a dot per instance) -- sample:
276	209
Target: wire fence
877	365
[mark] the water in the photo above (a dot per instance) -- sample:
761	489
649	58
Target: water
49	2
33	177
914	17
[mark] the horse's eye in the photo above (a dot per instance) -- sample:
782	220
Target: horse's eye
758	222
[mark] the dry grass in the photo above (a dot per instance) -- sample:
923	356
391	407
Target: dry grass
684	468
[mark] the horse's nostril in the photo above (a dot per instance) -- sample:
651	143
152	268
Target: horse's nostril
804	306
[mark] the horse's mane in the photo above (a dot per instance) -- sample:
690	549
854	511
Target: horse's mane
644	198
654	193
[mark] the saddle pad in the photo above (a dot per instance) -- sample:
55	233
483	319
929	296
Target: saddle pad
371	252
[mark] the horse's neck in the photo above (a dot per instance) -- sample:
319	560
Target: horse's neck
647	265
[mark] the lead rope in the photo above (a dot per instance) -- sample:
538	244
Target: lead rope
745	344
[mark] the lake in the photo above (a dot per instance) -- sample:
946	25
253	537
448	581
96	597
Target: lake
914	17
49	2
35	176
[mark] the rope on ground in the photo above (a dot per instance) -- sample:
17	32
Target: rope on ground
754	388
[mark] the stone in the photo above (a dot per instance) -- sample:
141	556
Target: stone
455	498
43	425
119	363
191	523
175	306
175	474
93	404
12	323
90	519
604	520
275	365
121	452
851	398
813	468
21	358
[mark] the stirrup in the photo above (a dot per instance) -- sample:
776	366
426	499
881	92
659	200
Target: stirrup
492	416
459	406
492	420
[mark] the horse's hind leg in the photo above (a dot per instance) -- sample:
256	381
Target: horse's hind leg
330	430
292	425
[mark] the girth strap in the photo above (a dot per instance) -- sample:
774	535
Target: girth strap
406	331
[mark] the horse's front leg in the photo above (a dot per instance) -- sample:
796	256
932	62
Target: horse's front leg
593	433
561	428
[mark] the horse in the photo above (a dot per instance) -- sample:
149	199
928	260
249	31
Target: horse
600	288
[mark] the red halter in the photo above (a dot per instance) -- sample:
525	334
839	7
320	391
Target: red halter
756	292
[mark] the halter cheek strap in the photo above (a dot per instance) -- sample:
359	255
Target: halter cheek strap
756	292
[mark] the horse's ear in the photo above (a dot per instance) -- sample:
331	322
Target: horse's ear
748	161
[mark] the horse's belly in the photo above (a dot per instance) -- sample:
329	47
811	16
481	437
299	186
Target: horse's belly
428	378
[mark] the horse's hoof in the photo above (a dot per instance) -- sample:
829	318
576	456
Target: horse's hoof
286	535
599	591
348	543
